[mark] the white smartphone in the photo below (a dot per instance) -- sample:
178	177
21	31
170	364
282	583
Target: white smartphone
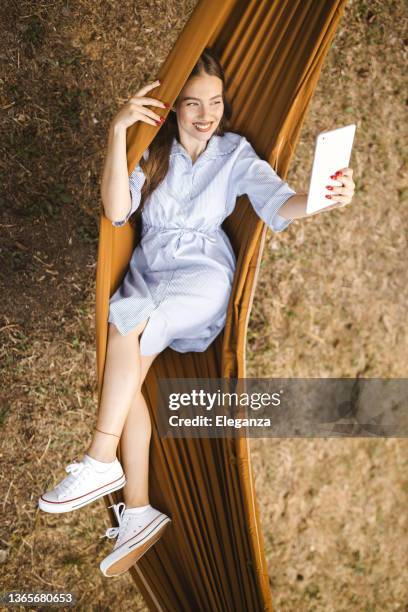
332	152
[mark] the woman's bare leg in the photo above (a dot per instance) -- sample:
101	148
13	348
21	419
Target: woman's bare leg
134	445
121	383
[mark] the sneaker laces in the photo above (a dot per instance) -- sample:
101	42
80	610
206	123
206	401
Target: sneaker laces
71	481
123	521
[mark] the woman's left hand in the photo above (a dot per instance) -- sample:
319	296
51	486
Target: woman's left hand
344	193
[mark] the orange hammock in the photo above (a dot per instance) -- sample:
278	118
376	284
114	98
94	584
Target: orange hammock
212	556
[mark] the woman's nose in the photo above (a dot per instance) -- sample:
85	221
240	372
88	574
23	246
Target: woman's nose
206	114
205	118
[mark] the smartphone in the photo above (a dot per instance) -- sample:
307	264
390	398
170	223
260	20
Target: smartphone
332	152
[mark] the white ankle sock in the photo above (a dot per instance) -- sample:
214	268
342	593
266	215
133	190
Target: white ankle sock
139	509
99	466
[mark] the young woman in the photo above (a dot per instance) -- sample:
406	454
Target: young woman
178	285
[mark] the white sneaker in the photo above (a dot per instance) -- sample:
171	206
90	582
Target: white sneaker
136	534
88	480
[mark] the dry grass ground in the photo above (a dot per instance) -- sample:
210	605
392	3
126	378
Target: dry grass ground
331	301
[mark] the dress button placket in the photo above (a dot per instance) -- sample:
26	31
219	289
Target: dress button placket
188	181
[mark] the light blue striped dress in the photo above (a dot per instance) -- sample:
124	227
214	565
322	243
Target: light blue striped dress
180	275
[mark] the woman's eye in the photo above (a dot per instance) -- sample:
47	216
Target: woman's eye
189	103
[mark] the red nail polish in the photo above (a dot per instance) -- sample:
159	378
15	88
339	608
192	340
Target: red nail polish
333	176
338	173
330	187
328	196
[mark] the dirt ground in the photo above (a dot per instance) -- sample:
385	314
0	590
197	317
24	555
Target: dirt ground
330	302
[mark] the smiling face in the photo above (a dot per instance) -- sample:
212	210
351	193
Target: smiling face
200	108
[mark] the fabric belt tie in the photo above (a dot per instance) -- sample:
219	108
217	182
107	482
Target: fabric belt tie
181	232
191	231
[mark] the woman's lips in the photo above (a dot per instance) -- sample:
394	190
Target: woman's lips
200	129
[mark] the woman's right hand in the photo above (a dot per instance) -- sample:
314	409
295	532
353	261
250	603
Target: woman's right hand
135	109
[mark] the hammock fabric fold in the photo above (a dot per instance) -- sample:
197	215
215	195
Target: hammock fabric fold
211	557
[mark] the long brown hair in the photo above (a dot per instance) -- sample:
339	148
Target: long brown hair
156	166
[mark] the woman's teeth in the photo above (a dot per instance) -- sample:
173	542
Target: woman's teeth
202	127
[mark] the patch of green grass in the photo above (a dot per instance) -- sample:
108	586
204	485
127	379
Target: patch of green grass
34	32
4	410
86	234
70	558
55	199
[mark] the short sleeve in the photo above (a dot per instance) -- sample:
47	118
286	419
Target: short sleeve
266	191
136	181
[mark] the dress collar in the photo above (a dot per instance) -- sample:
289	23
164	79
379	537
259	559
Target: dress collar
217	145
